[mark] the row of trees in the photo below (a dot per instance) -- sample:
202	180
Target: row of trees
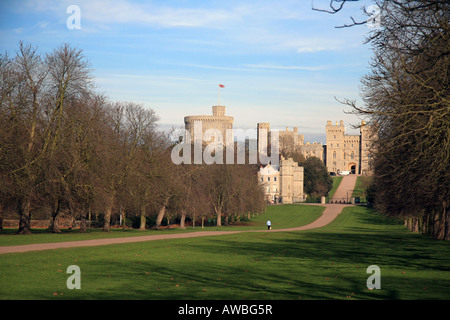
66	148
406	96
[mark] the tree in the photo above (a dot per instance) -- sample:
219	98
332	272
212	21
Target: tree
317	181
69	79
22	91
132	127
406	98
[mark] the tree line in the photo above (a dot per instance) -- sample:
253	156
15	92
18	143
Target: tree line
65	148
406	97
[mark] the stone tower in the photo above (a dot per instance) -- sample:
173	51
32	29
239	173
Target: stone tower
335	143
263	128
291	181
217	121
367	137
347	152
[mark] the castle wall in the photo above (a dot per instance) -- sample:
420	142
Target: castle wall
217	121
347	152
285	184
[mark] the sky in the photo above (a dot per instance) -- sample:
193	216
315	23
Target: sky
280	61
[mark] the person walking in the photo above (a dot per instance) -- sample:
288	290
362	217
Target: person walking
269	224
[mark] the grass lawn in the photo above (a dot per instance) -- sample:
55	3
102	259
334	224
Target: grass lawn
336	183
362	182
327	263
286	216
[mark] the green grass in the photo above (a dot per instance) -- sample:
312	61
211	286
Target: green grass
361	185
281	216
286	216
336	183
8	237
326	263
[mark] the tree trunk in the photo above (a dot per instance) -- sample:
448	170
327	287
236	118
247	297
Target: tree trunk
182	220
124	218
161	214
83	223
143	218
442	233
108	214
439	221
1	216
23	208
219	218
55	211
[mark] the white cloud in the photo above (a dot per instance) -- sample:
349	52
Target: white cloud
277	67
154	15
310	49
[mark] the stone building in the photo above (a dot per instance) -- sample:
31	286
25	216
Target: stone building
292	141
217	121
346	152
283	184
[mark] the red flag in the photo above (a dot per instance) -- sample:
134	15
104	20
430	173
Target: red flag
221	85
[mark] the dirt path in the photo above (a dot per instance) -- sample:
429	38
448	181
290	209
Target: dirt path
329	214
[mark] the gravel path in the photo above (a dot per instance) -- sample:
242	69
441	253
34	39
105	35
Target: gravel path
330	213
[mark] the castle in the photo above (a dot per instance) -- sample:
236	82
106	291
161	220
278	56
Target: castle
345	152
217	121
292	141
341	153
284	182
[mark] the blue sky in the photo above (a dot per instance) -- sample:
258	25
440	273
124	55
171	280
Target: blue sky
280	61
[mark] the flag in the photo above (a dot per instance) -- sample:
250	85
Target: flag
221	85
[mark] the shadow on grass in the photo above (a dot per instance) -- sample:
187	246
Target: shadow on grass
328	263
312	265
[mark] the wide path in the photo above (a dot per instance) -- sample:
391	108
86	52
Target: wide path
329	214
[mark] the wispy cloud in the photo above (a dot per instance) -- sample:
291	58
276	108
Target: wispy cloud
171	54
277	67
125	12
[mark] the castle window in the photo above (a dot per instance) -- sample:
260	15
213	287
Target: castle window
268	178
352	156
334	155
331	145
274	178
262	178
338	145
335	136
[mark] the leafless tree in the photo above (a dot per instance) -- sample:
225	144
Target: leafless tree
406	97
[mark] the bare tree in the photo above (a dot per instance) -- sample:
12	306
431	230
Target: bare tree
406	98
